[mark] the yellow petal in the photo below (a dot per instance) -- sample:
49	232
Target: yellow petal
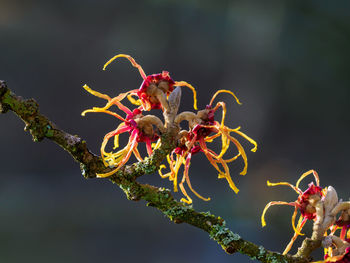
263	222
287	184
132	61
96	93
313	172
184	83
224	91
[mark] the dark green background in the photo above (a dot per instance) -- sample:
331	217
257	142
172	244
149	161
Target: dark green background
287	61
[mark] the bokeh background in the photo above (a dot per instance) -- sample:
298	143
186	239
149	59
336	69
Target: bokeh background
287	61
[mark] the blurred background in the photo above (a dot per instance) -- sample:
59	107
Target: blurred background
287	61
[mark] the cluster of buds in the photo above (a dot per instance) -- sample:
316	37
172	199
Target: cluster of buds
155	93
321	206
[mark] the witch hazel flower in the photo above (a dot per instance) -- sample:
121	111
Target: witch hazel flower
203	129
307	204
321	206
141	128
155	88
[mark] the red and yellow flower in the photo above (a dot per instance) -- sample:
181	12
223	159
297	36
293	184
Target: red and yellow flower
203	129
154	89
305	203
139	127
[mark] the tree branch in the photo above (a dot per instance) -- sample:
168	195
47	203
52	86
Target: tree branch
41	127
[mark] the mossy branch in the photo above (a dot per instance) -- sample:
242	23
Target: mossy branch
41	127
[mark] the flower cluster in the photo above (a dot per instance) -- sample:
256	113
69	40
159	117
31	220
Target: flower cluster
321	206
203	129
154	93
140	127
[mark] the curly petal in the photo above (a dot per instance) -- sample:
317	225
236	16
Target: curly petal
228	176
136	102
242	152
237	130
224	91
287	184
223	106
132	61
212	137
161	167
121	129
111	101
121	157
96	109
214	160
293	221
174	169
96	93
313	172
184	83
263	222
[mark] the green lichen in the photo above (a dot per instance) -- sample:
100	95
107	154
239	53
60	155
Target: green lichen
49	132
262	252
261	255
207	213
164	192
148	167
177	211
223	235
6	99
272	258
